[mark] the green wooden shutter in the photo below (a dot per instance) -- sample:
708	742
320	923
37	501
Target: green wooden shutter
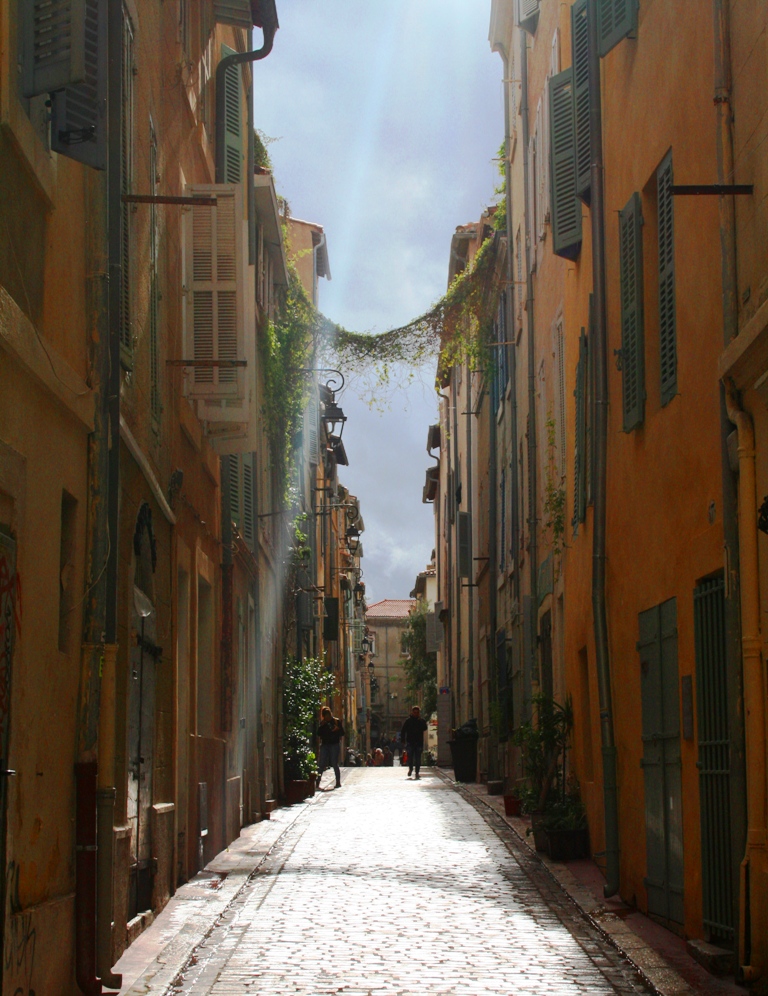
464	545
528	14
230	468
667	322
233	122
566	207
78	111
580	41
53	43
615	20
249	504
632	339
580	441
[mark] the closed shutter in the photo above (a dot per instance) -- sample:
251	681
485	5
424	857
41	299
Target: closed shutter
331	620
230	469
580	39
311	421
580	442
528	14
632	341
431	633
356	636
214	292
126	185
53	40
249	503
464	545
233	122
566	208
615	20
236	12
78	110
667	318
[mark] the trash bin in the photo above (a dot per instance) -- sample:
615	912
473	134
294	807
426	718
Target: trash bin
464	757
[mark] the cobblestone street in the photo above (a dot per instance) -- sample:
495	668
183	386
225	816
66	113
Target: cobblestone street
389	886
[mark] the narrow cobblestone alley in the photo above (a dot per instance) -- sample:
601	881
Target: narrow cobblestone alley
390	886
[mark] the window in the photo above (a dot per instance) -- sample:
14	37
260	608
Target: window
667	317
615	20
632	343
126	184
519	281
560	396
238	469
566	207
528	14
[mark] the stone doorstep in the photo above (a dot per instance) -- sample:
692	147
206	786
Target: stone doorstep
717	961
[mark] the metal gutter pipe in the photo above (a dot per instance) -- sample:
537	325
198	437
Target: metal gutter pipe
738	775
532	454
753	918
471	582
599	352
269	26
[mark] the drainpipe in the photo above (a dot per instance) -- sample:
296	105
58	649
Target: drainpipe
532	454
267	21
471	582
753	916
738	788
457	482
599	346
447	631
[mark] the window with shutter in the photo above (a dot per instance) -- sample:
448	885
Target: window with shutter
230	467
464	545
580	42
248	523
528	14
667	322
236	12
615	20
632	340
126	183
53	44
566	207
580	442
78	110
214	293
233	122
311	421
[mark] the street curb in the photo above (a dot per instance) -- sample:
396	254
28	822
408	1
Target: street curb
648	963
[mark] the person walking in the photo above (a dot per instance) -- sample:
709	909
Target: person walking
412	735
329	733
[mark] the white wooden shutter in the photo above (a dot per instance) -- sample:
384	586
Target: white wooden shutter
53	44
215	293
311	422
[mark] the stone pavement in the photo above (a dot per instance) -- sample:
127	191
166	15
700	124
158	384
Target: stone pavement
386	886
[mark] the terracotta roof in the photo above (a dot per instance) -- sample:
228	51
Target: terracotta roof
390	608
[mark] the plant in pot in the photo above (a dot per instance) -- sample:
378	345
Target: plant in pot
565	825
543	741
306	684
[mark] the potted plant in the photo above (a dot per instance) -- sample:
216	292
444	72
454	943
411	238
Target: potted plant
513	804
565	826
306	684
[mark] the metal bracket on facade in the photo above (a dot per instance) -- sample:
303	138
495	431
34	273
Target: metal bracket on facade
163	199
685	189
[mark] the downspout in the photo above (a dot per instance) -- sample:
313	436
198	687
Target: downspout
447	631
470	535
532	454
457	481
268	23
738	788
599	346
753	916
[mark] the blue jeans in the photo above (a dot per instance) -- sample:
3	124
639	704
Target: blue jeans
414	756
329	758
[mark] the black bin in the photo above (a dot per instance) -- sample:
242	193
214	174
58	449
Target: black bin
464	757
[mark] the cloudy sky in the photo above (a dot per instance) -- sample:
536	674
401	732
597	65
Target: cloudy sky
386	117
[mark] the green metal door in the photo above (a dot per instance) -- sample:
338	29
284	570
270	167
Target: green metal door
661	760
714	760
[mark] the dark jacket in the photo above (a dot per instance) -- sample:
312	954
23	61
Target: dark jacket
413	731
330	731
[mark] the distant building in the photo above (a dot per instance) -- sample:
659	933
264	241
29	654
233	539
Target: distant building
390	702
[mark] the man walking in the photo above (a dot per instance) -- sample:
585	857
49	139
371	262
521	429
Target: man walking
329	732
412	735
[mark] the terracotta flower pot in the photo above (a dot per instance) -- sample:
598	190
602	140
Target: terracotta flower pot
512	805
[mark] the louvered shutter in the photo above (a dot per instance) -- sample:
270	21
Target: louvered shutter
214	292
356	636
580	442
464	545
53	44
230	468
632	341
311	419
580	41
667	317
233	122
615	20
566	208
126	184
236	12
528	14
248	524
78	111
431	634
